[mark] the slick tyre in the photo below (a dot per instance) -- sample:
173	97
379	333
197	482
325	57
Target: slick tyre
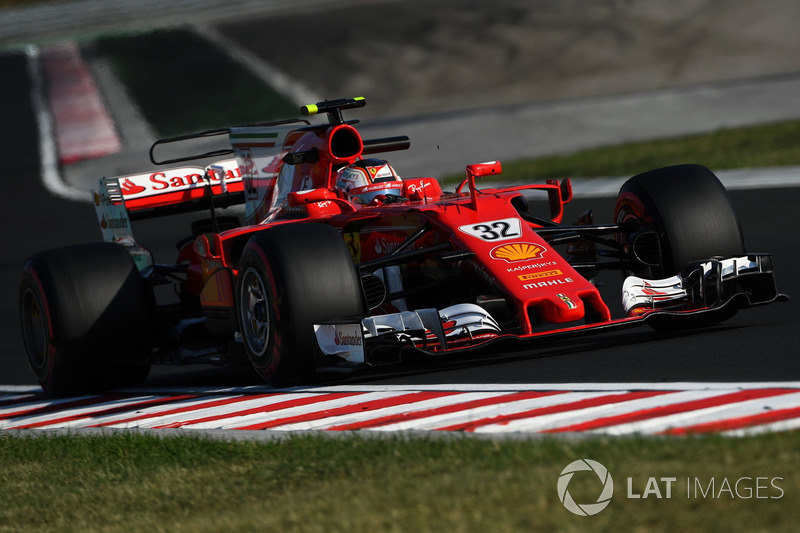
85	316
290	277
687	209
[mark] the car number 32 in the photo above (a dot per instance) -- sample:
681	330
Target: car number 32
494	230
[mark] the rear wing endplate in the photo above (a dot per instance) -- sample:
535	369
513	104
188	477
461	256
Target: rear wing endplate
115	224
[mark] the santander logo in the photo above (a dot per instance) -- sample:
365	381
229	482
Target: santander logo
176	179
342	339
130	188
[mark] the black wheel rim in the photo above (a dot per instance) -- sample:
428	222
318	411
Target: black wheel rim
254	310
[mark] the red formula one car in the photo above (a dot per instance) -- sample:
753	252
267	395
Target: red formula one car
343	264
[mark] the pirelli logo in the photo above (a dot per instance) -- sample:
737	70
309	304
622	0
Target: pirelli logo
539	275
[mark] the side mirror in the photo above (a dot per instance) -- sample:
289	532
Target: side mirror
478	170
484	169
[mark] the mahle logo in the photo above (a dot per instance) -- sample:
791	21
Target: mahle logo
585	509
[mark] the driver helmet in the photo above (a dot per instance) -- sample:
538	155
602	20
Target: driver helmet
368	178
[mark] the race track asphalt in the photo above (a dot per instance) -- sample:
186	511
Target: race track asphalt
760	344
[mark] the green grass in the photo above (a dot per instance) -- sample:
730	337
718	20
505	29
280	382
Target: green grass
766	145
317	483
184	84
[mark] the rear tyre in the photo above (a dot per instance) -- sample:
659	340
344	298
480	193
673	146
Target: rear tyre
689	211
85	316
290	277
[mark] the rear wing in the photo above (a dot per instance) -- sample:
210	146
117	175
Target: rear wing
179	190
121	199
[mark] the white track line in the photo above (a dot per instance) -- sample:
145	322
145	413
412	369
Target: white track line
281	82
626	386
180	419
487	412
81	411
568	417
456	387
716	413
40	402
51	174
235	421
148	412
366	415
606	408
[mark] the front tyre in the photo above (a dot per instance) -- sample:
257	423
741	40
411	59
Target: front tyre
85	317
291	277
687	211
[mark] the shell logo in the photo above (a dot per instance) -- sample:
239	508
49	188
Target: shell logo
518	251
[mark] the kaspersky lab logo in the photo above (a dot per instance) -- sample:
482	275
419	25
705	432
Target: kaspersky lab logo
585	509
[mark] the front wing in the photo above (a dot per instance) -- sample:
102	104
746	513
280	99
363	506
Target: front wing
712	291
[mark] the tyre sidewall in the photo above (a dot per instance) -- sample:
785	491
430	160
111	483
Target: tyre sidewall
96	311
309	277
689	209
